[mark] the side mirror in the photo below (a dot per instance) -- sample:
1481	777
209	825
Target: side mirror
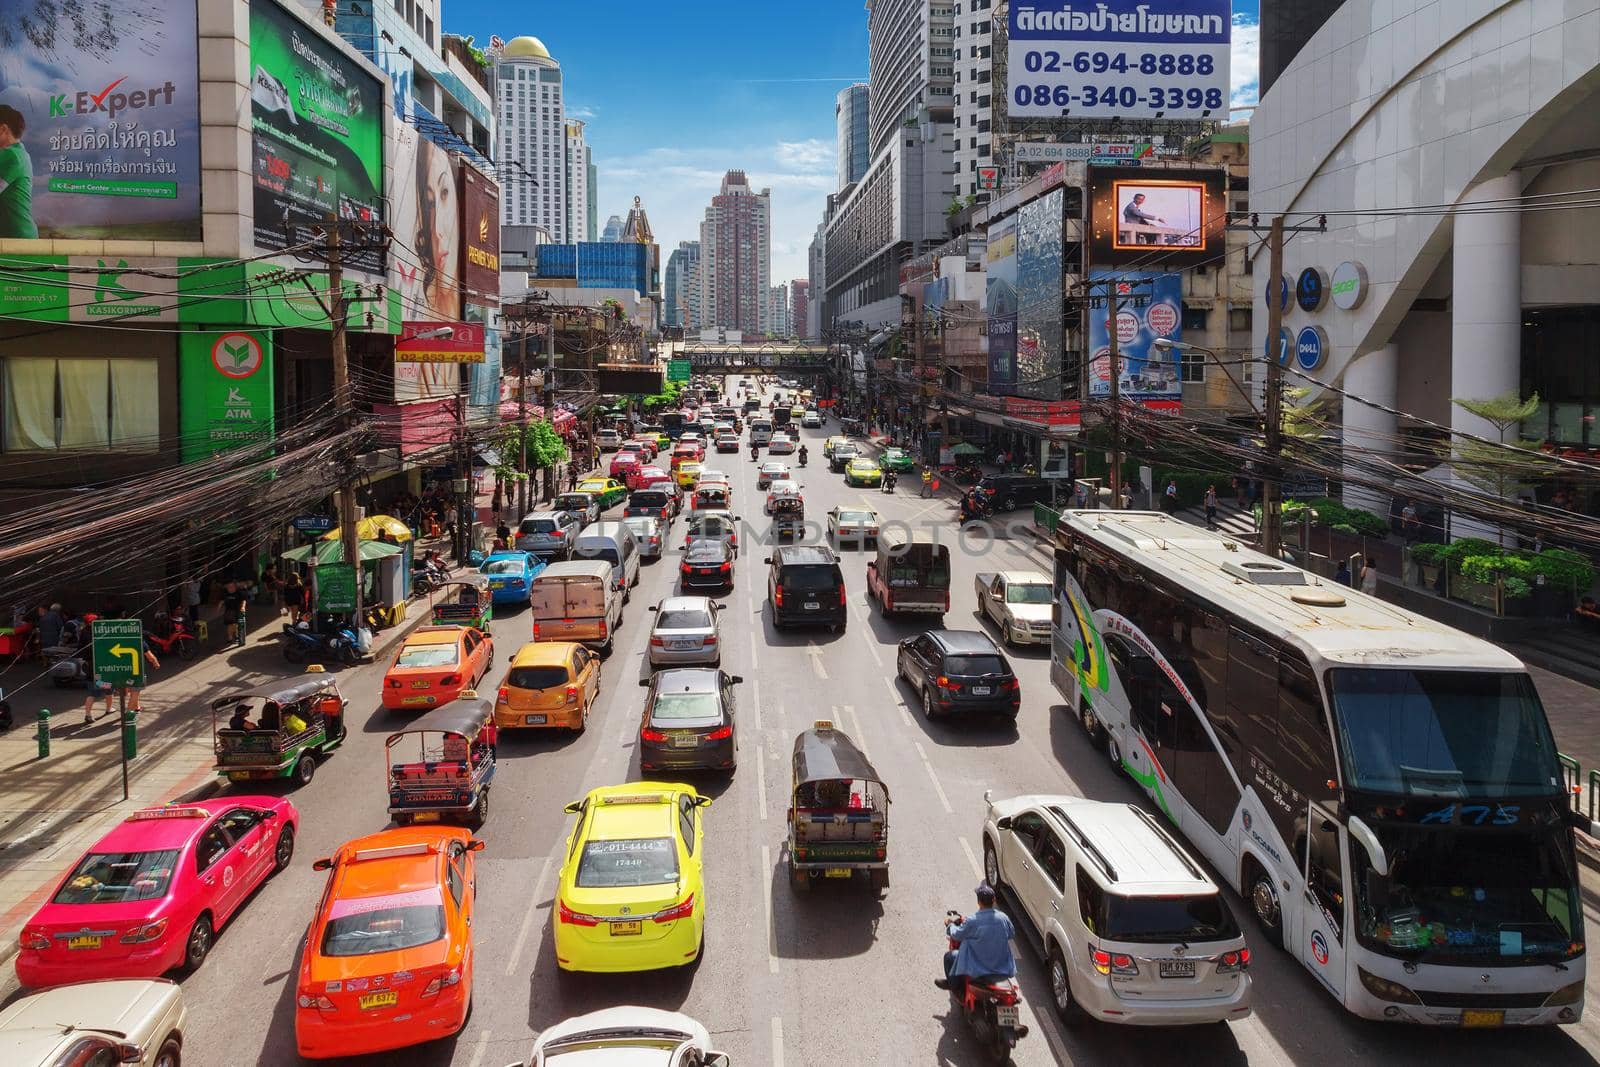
323	863
573	808
767	560
1003	823
702	801
644	683
654	607
717	1059
475	845
736	679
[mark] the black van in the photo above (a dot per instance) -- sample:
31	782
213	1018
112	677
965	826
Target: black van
805	586
1007	492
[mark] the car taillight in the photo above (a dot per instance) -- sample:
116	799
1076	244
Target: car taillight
602	628
572	693
34	940
1234	962
504	696
721	734
1112	962
686	569
655	737
450	679
677	911
1010	684
144	932
393	683
726	567
709	639
657	642
842	601
321	1003
536	630
777	596
444	981
574	918
559	534
944	682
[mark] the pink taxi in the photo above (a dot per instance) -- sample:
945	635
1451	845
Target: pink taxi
150	895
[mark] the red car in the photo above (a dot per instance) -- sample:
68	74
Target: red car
150	896
624	464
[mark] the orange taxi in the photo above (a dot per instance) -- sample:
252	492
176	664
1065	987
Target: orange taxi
434	665
388	958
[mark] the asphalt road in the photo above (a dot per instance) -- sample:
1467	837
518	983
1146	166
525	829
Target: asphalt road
832	977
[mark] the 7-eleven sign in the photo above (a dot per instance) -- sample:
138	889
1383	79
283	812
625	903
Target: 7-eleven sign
988	177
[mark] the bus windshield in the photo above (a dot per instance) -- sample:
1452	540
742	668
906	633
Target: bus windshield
1458	895
1443	733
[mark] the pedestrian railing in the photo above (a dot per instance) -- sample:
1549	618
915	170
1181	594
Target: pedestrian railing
1571	776
1045	517
1594	793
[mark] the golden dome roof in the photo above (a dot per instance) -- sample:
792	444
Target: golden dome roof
525	48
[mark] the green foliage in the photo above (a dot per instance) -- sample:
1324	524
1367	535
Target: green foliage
544	445
665	400
1345	528
1428	555
1457	551
955	207
1516	588
1564	569
1331	512
1505	468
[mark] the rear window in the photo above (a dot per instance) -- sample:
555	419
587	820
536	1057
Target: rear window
536	677
683	619
670	706
1180	918
504	566
635	861
653	498
811	578
119	877
428	656
975	665
605	552
537	526
362	926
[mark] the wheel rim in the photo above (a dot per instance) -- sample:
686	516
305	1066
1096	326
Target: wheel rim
1265	900
1086	717
1113	752
165	1059
199	941
991	868
285	850
1060	988
927	704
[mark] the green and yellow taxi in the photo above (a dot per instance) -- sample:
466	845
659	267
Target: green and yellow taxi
608	491
896	459
832	442
631	896
688	473
863	472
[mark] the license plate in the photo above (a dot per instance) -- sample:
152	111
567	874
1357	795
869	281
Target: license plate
415	700
981	690
425	816
813	607
836	872
684	741
387	999
1176	968
533	720
1483	1018
419	685
683	646
625	929
497	585
1005	1015
84	942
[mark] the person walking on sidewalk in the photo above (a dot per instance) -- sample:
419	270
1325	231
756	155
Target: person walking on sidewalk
1369	577
104	691
1170	496
1211	507
234	612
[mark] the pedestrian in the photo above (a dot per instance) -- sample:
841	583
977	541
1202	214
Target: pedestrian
1211	507
451	519
51	623
1409	524
191	601
294	595
1369	577
1342	575
572	477
270	584
1170	496
235	607
1127	496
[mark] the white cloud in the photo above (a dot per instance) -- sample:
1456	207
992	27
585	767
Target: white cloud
812	154
1246	61
583	112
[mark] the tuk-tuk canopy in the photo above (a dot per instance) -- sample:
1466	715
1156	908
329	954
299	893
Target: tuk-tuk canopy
822	755
287	692
788	502
465	716
467	585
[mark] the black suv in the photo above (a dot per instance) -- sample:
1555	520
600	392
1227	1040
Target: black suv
805	585
959	670
1007	492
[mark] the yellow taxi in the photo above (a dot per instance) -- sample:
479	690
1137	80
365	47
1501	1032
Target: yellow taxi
831	443
632	891
862	472
688	473
608	491
549	684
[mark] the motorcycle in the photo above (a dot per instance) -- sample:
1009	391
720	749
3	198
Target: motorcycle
68	668
301	643
428	574
991	1010
803	455
172	635
888	481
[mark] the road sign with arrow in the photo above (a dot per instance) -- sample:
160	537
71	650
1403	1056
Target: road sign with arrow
118	651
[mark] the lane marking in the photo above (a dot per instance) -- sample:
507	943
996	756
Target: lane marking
944	801
849	711
534	907
761	784
977	868
1267	1048
777	1042
766	901
815	655
899	701
481	1048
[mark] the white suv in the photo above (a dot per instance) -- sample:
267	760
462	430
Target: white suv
1132	929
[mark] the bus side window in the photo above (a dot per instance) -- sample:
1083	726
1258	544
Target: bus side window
1306	746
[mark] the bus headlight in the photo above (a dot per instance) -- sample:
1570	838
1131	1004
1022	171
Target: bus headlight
1384	989
1567	994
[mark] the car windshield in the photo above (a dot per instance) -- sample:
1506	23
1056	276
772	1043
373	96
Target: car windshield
1029	594
119	877
633	861
1443	733
1203	917
857	516
975	665
576	501
684	619
711	526
362	926
648	499
685	706
706	552
504	566
428	656
536	677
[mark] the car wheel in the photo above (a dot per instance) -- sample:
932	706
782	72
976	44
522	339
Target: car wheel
171	1054
1264	905
927	704
991	866
1066	1005
583	719
1114	754
305	770
1008	504
198	945
480	810
283	851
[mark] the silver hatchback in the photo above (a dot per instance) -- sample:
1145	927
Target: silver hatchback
686	631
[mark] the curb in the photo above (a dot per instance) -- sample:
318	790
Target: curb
1588	848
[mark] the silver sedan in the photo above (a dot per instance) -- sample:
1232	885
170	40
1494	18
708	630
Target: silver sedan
686	631
647	531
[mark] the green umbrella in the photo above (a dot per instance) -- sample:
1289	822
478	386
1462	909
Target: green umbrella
965	449
333	552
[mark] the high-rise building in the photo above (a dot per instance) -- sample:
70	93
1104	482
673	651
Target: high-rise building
613	230
591	231
680	267
778	311
974	43
533	138
798	291
577	179
1286	26
736	257
911	59
817	282
852	115
692	318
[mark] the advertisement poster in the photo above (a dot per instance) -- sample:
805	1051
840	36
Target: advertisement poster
1166	217
224	391
318	134
480	228
425	257
105	100
1039	325
1000	304
1145	312
1133	59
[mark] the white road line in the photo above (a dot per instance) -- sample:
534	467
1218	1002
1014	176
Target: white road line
814	654
761	785
1251	1032
766	901
534	908
481	1048
872	648
855	729
944	801
977	868
755	706
777	1042
754	644
899	701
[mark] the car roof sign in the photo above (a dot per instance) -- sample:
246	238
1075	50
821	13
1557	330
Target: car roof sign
635	798
385	852
169	812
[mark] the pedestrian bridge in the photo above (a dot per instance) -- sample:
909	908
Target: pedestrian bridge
704	356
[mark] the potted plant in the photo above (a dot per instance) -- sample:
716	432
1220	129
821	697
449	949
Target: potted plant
1427	559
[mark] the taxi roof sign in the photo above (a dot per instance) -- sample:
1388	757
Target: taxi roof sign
173	812
823	724
419	848
635	798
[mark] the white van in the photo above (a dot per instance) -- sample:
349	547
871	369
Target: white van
576	601
615	544
760	431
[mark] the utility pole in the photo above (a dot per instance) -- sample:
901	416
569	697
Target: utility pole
522	421
1271	496
549	394
344	404
1114	356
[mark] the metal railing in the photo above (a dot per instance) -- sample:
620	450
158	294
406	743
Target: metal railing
1045	517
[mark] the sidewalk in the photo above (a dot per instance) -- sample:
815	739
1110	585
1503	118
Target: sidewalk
55	808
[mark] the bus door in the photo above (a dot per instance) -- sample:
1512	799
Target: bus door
1150	753
1319	940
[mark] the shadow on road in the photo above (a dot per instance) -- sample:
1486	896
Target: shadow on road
833	920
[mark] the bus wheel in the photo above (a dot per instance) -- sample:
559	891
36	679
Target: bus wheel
1091	725
1263	897
1114	754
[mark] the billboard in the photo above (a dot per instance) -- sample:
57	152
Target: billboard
1166	216
426	254
225	397
107	105
1122	59
1000	303
1149	305
317	117
480	230
1039	325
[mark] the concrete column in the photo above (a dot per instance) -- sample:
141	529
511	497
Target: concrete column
1372	377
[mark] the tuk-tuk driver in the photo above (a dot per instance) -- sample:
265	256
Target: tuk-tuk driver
241	718
983	943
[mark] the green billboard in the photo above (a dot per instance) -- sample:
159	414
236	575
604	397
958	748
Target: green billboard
225	395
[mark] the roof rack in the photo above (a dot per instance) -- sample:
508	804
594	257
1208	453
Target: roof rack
1086	845
1161	831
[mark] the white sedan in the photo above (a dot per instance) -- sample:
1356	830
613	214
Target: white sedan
780	445
648	1037
852	524
771	472
131	1021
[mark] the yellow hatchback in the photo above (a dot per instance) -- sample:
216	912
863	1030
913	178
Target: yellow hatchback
632	890
549	684
688	473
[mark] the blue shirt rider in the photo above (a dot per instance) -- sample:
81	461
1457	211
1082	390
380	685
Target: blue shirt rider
983	944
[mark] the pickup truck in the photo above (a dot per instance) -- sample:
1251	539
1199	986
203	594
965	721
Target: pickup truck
1019	603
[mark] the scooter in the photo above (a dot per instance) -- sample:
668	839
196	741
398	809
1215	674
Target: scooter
172	635
301	643
991	1010
803	457
69	667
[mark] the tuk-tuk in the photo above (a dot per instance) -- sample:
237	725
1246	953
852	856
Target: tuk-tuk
464	601
788	517
441	765
280	730
852	427
838	813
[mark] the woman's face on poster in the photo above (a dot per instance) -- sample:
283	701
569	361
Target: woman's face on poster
442	220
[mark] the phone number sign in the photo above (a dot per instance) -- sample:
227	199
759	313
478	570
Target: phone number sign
1151	59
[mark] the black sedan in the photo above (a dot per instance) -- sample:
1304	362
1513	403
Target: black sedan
956	671
707	565
688	720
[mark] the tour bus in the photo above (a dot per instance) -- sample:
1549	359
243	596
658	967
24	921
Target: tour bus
1382	790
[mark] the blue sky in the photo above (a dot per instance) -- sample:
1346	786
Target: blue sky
676	94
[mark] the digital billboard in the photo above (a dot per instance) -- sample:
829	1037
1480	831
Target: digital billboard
317	118
1165	216
1119	59
1039	304
102	106
1000	303
1149	306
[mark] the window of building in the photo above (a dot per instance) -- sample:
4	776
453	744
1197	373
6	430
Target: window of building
99	404
1194	366
1239	320
1194	319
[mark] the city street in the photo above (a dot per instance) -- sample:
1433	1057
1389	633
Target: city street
833	976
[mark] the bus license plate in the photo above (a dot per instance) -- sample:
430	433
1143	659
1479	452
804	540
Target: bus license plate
1483	1018
387	999
533	720
623	929
1177	968
836	872
425	816
84	941
1005	1015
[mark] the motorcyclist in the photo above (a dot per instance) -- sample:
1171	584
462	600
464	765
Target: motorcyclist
983	942
803	454
755	451
888	481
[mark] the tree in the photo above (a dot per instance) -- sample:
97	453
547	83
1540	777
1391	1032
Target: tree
544	449
1502	469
